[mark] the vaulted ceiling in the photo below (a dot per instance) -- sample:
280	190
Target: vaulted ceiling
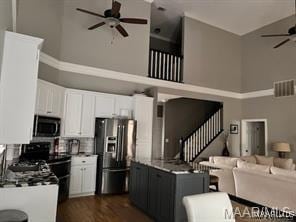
236	16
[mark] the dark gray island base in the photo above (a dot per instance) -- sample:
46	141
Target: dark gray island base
158	187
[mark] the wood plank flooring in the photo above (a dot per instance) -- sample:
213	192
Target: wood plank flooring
100	209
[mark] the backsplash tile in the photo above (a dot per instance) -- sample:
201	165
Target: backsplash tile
86	145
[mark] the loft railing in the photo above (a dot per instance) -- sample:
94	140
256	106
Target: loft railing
194	144
165	66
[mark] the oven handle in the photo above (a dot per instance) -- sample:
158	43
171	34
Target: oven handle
58	163
57	128
64	177
120	170
36	125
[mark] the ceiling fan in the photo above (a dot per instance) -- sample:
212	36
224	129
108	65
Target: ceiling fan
112	18
291	34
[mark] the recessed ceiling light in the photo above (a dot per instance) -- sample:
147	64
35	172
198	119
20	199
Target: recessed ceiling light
157	30
162	9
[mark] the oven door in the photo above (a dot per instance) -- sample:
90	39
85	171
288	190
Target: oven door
46	126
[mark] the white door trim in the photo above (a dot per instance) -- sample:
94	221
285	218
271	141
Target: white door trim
243	130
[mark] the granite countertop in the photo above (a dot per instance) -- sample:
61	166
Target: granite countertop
174	166
40	174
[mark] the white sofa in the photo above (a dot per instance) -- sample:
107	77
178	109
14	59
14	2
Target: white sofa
268	181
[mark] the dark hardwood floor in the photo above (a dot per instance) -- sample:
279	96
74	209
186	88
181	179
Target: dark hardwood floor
100	209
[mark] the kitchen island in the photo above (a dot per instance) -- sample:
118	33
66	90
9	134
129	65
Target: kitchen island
33	191
157	187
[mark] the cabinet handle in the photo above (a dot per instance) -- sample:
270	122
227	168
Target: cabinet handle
158	175
83	161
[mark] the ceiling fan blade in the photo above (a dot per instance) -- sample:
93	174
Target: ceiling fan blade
282	43
122	31
115	8
96	26
134	20
89	12
275	35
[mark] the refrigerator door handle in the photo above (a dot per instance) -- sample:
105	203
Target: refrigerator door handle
118	142
122	142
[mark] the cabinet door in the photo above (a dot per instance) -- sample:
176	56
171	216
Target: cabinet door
57	101
88	116
73	112
124	106
76	180
18	86
161	195
41	100
143	112
138	187
89	179
105	105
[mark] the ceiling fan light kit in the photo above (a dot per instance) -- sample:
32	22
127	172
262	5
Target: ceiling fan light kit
291	34
112	18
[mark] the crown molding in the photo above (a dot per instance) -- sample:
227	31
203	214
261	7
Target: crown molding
109	74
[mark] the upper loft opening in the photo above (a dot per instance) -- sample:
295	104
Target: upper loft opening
165	60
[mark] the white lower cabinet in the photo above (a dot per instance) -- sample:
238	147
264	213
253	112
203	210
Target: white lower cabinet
83	176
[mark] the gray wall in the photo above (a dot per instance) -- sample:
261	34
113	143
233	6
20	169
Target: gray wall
94	48
280	115
5	15
261	63
42	19
182	116
212	57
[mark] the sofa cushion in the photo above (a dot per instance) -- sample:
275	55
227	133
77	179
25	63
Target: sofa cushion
231	161
264	160
253	167
216	165
283	163
282	172
249	159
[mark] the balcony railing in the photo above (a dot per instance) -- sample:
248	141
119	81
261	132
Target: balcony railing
165	66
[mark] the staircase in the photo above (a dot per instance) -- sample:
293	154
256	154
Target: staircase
195	143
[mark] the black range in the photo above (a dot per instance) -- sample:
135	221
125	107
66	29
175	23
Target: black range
60	165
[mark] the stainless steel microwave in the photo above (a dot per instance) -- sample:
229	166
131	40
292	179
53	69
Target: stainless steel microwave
46	126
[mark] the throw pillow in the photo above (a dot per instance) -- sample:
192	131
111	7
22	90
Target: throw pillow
225	160
264	160
282	172
249	159
283	163
251	166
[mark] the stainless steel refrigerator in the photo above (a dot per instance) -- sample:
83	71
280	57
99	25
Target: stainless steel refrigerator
115	144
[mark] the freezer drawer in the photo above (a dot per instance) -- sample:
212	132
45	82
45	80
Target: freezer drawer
115	181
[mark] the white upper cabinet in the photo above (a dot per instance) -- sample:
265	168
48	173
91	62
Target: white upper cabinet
124	106
105	105
79	115
18	83
50	99
110	105
88	116
143	113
